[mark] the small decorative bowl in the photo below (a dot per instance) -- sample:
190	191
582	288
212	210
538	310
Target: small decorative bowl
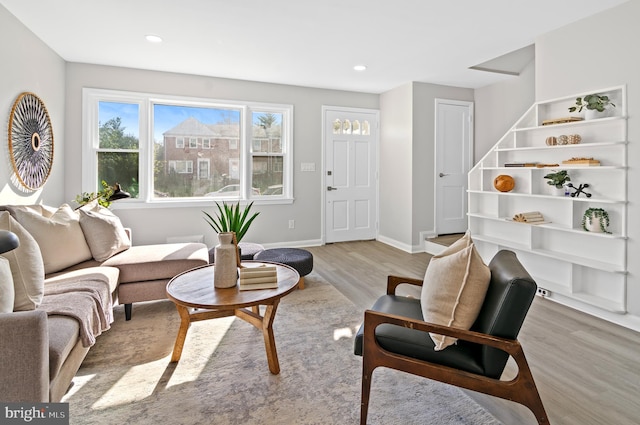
574	139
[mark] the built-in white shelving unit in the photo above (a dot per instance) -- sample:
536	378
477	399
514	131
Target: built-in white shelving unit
576	267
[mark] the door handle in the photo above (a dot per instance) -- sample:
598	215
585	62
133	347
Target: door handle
329	188
442	175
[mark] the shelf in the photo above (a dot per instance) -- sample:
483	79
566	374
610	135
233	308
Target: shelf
573	259
551	226
572	167
570	124
609	305
558	198
560	147
586	270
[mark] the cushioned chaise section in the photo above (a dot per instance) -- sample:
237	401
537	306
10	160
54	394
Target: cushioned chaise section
148	290
157	262
413	343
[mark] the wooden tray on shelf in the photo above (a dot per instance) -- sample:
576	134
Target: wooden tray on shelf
561	120
583	162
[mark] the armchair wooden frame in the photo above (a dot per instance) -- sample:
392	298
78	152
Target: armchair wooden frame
521	389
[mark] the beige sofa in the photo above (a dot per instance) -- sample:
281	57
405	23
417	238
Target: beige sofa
70	270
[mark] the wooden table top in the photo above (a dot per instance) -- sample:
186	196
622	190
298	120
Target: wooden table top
194	288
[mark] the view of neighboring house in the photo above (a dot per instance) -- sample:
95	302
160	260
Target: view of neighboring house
208	157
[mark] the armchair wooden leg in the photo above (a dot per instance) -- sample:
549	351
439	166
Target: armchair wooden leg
367	374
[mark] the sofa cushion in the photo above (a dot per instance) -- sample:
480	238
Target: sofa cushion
103	231
156	262
455	285
60	230
7	293
63	336
27	268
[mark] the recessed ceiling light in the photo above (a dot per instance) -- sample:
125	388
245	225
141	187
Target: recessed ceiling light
360	68
153	38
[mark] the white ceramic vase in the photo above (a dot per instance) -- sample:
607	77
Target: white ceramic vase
225	268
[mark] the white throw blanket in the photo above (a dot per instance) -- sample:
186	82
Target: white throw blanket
89	302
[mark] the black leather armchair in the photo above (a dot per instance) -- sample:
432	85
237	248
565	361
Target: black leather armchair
394	335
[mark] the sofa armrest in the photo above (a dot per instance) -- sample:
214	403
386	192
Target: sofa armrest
24	369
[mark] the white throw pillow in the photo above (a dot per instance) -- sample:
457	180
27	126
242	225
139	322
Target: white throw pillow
7	292
27	269
455	285
103	231
59	236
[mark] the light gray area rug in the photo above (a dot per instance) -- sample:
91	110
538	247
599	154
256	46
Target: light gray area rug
223	377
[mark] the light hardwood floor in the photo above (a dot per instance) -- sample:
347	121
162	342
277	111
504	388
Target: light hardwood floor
587	370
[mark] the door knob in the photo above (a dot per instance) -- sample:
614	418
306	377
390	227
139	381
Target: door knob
329	188
442	175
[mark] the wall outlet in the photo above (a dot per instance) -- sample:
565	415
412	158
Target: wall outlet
541	292
292	224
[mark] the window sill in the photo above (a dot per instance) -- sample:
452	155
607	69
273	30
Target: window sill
194	203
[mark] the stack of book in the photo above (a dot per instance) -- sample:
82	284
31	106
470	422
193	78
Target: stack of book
532	217
263	277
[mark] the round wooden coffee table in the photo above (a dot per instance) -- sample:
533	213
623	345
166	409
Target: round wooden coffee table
194	289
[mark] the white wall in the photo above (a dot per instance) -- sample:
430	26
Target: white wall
423	155
407	156
574	59
28	65
271	227
395	176
498	106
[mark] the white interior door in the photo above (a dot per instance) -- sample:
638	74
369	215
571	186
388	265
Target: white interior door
454	147
350	174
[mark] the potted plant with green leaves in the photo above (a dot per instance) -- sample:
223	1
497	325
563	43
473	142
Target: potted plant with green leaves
558	179
593	104
231	218
595	220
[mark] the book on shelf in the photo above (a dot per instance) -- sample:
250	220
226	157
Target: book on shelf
520	164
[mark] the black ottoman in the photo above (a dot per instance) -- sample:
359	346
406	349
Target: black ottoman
299	259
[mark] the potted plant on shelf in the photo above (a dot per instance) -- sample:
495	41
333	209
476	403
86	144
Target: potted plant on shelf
593	103
595	220
230	218
557	180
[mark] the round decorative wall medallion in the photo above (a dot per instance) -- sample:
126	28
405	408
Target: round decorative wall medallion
30	141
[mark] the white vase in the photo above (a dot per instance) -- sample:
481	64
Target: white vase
225	268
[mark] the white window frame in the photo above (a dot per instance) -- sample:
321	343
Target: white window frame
179	142
193	143
145	101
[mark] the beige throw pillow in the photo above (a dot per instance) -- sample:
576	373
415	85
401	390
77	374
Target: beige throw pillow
7	293
27	269
59	236
455	285
103	231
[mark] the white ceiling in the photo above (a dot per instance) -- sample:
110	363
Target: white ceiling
300	42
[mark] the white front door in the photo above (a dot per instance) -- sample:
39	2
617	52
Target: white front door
350	174
454	148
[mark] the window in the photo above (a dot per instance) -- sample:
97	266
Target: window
162	147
